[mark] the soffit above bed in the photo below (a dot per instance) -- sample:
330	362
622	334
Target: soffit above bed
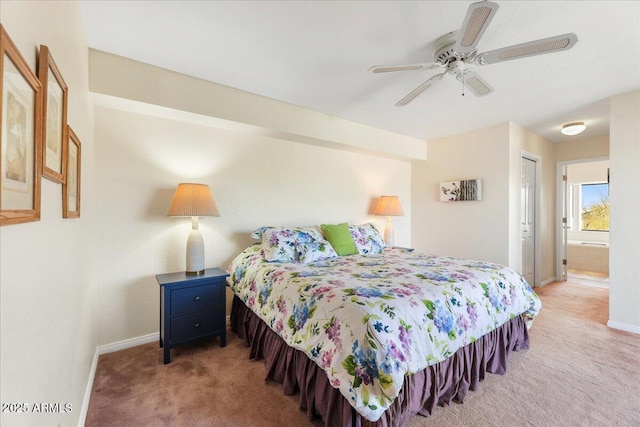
129	85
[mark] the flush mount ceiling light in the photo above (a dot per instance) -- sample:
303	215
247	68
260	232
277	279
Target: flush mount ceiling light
573	128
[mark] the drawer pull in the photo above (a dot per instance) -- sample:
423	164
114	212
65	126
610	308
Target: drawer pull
197	298
196	325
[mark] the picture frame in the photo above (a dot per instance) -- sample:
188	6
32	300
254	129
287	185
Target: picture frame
71	186
54	117
20	136
461	190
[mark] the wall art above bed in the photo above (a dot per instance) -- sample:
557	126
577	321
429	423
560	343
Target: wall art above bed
457	191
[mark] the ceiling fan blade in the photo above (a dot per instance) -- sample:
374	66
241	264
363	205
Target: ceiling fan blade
479	15
391	68
476	84
417	91
532	48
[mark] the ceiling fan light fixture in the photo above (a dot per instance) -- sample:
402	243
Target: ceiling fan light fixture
574	128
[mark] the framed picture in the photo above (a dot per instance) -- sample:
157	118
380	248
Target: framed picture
456	191
20	136
71	186
54	120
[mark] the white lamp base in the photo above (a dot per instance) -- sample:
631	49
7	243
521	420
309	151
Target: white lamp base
389	235
195	249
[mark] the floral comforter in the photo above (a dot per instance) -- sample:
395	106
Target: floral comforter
369	320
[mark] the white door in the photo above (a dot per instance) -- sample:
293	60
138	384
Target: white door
528	219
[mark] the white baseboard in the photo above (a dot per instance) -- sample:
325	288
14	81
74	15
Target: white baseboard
110	348
546	282
131	342
104	349
624	327
87	390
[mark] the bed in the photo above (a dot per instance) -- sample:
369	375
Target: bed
378	335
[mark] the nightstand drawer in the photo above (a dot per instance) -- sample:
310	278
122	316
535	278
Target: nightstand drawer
197	298
192	326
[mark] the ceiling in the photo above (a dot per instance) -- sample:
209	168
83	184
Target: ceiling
316	54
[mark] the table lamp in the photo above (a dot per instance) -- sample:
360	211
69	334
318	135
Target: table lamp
388	206
194	200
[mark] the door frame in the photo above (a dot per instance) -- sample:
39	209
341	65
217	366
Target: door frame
537	269
559	203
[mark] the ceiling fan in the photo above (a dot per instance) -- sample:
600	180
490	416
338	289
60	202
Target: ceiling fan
457	48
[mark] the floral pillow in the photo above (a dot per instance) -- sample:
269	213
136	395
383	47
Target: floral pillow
317	250
259	232
279	243
367	239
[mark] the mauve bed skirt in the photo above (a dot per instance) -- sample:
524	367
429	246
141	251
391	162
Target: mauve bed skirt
436	385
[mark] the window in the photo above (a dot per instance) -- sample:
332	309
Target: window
594	213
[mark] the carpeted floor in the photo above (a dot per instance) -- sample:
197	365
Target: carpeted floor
577	372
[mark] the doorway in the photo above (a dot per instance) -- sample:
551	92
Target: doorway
584	244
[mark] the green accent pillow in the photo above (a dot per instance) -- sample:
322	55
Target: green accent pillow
340	238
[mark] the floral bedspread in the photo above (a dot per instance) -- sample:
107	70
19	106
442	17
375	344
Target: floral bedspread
369	320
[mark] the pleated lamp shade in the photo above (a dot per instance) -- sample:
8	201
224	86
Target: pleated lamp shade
193	200
388	206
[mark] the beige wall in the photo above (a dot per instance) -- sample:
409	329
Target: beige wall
478	229
488	229
624	295
47	267
267	162
583	148
255	181
595	171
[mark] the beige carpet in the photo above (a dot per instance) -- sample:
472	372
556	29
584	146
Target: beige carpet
577	372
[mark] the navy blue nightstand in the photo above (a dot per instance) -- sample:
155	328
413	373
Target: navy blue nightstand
192	308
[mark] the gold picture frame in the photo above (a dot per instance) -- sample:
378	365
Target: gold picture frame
54	117
71	186
20	136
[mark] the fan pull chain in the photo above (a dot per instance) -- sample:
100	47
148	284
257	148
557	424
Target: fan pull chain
463	79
